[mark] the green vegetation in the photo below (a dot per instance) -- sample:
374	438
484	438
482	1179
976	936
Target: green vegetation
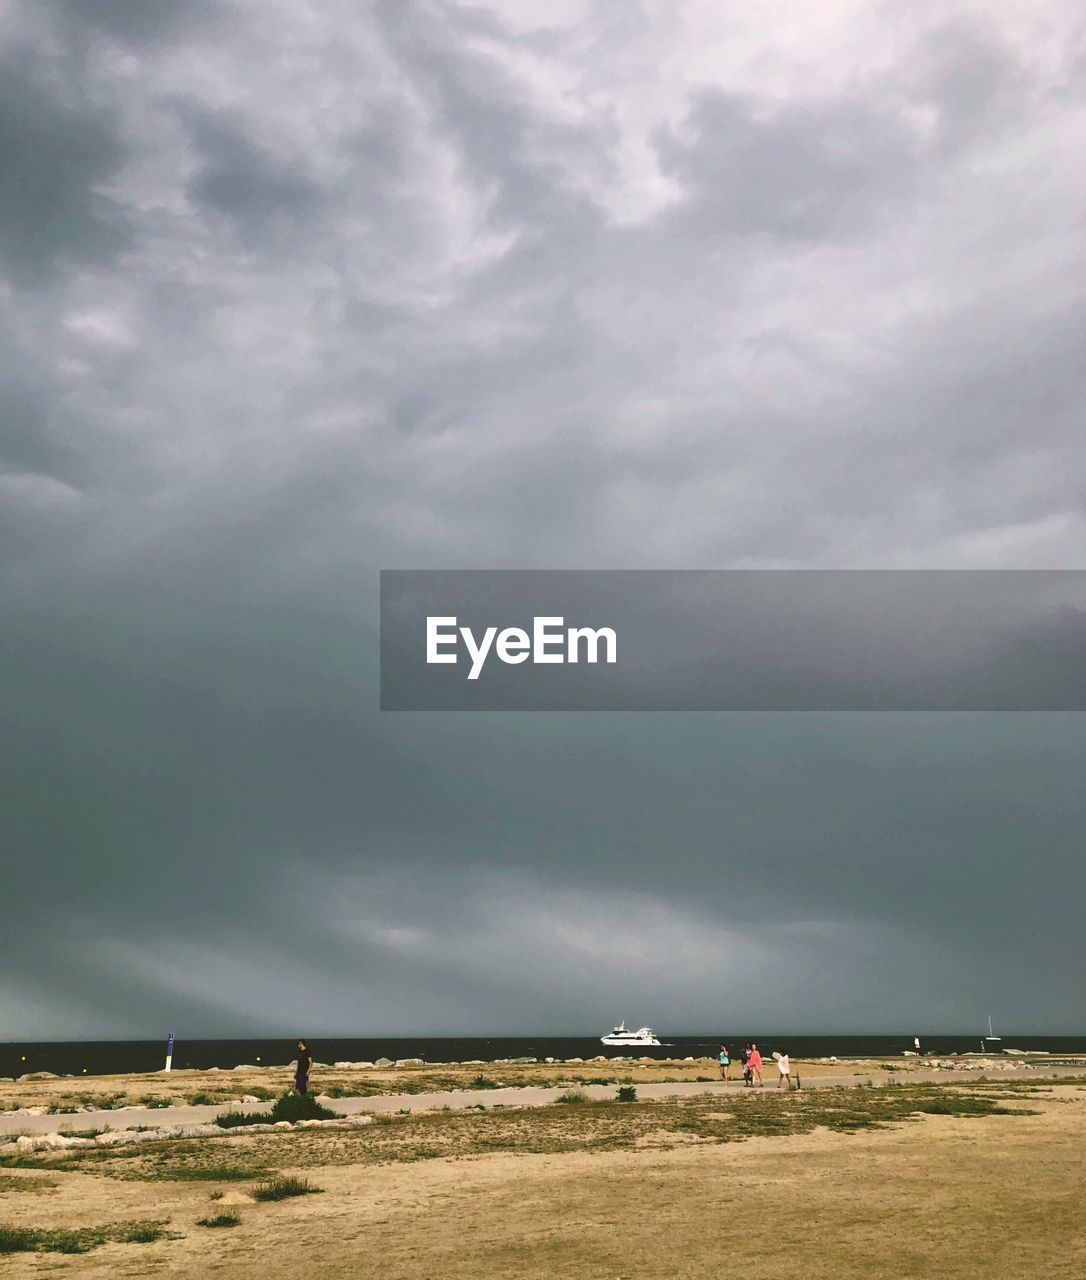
282	1188
586	1126
80	1240
483	1082
291	1107
228	1218
10	1182
626	1093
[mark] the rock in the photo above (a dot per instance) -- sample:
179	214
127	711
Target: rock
249	1097
360	1120
522	1062
343	1066
39	1075
410	1062
384	1062
246	1066
834	1058
49	1142
548	1059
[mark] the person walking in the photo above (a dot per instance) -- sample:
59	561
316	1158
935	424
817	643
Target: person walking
725	1063
747	1075
784	1067
755	1062
302	1069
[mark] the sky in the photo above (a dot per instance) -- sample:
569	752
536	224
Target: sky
290	293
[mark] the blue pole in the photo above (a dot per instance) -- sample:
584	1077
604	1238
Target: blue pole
169	1052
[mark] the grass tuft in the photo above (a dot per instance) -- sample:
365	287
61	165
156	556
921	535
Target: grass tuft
82	1240
283	1187
228	1218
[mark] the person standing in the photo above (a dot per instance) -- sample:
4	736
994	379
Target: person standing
784	1066
747	1076
725	1063
755	1063
302	1069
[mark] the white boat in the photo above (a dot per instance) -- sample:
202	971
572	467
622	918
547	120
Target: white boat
644	1035
991	1034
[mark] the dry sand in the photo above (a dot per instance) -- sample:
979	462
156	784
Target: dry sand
955	1196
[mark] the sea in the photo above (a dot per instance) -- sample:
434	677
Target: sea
111	1057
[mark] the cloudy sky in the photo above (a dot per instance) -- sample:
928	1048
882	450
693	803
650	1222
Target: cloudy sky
292	292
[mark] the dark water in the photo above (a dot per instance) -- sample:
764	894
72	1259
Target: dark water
106	1057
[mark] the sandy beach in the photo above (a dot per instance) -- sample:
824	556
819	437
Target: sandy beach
882	1173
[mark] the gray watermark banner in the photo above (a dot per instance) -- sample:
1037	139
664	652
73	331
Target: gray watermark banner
733	640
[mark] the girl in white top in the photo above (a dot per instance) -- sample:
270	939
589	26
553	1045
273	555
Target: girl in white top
785	1068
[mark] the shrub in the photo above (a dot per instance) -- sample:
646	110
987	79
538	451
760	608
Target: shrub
228	1218
573	1095
282	1188
300	1106
291	1107
483	1082
626	1093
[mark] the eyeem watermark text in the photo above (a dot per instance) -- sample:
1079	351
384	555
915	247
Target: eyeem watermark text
549	641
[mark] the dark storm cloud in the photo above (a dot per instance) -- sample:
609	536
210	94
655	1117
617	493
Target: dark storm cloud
240	179
56	152
296	292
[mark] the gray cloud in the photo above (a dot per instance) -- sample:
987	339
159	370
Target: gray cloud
295	293
55	156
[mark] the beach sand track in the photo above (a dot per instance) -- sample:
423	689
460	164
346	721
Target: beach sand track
959	1197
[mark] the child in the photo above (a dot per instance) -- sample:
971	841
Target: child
725	1063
